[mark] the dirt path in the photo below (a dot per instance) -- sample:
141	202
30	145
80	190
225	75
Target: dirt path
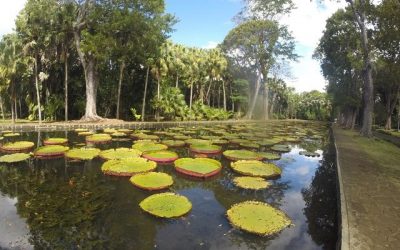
370	180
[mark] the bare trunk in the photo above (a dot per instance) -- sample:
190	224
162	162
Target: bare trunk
219	97
208	93
191	96
266	103
232	102
12	113
390	105
177	81
145	93
121	75
37	90
2	108
253	102
66	86
158	98
271	110
224	93
201	97
15	108
353	122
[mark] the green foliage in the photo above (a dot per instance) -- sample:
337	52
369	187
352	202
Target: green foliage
135	115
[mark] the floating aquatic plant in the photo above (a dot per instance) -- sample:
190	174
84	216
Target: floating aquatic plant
152	181
50	151
235	155
128	166
198	167
250	145
281	148
82	153
142	136
18	146
118	134
55	141
109	130
166	205
173	143
98	138
258	218
147	146
162	156
248	182
269	156
205	148
120	153
85	133
78	130
17	157
197	141
256	168
11	134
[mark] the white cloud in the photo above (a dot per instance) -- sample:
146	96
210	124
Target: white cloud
210	45
307	23
8	12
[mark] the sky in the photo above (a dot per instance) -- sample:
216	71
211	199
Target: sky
205	23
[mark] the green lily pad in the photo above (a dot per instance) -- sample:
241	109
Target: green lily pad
82	153
85	133
198	167
55	141
98	138
258	218
50	151
235	155
166	205
11	134
248	182
269	156
219	141
162	156
270	142
78	130
14	157
109	130
17	146
173	143
128	166
197	141
125	130
181	137
250	145
119	134
281	148
120	153
205	148
149	146
152	181
256	168
142	136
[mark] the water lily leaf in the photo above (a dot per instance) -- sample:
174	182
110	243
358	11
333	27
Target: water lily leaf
98	138
128	166
17	146
205	148
152	181
235	155
14	157
198	167
166	205
149	146
82	153
163	156
55	141
256	168
120	153
50	151
248	182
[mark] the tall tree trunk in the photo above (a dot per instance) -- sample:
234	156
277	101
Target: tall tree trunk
177	81
208	98
201	95
158	98
390	106
191	95
15	108
368	90
145	93
121	75
266	103
224	93
219	97
253	102
2	107
66	86
12	113
37	90
232	102
271	110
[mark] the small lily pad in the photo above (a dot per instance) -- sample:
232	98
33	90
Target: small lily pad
17	157
248	182
120	153
198	167
166	205
55	141
128	166
162	156
235	155
82	153
258	218
152	181
256	168
18	146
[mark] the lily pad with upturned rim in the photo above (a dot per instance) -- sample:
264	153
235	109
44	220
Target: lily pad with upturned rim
281	148
149	146
235	155
249	182
17	157
55	141
11	134
85	133
162	156
166	205
19	146
269	156
198	167
82	153
128	166
256	168
50	151
152	181
98	138
142	136
258	218
120	153
205	148
173	143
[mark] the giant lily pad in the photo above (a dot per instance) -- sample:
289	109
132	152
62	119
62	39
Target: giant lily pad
281	148
256	168
163	156
235	155
128	166
82	153
98	138
11	134
55	141
166	205
248	182
173	143
109	130
141	136
120	153
197	141
258	218
152	181
18	146
250	145
50	151
14	157
148	146
198	167
85	133
269	156
205	148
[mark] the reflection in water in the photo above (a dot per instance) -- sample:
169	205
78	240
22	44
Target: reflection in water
56	204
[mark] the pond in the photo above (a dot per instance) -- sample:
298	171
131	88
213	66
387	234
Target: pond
62	204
